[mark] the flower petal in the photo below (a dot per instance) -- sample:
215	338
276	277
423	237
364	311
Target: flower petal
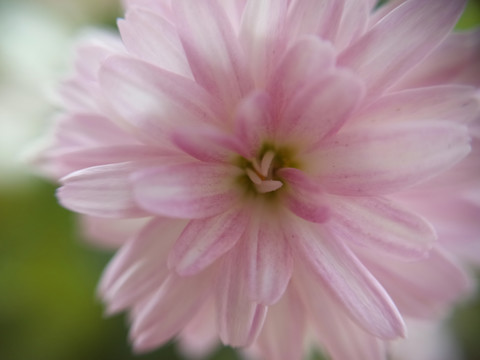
261	35
448	102
422	289
140	267
185	190
153	100
305	197
454	61
283	333
212	49
154	39
380	224
169	310
341	337
336	268
103	191
391	157
204	241
321	108
414	29
239	319
269	259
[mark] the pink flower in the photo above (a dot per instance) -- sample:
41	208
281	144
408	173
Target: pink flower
265	149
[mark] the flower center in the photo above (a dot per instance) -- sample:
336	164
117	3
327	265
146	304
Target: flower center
261	173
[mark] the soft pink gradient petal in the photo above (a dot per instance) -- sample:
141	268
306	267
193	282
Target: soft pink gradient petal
454	61
204	241
305	197
284	329
322	107
340	336
262	36
154	39
414	29
224	74
269	261
151	100
186	190
239	320
103	191
336	269
380	224
391	157
168	310
309	58
140	266
456	103
422	289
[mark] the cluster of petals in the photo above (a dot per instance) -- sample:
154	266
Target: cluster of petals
276	170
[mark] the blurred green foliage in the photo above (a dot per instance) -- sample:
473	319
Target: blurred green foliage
48	276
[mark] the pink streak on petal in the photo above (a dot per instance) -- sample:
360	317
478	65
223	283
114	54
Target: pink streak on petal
269	259
305	197
185	190
204	241
103	191
335	267
381	224
140	266
283	333
391	157
152	38
168	310
447	102
214	54
262	36
321	108
415	28
151	100
239	319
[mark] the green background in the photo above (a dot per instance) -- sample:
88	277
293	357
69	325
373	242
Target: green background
48	274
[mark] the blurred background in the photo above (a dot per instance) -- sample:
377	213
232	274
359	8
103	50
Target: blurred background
48	273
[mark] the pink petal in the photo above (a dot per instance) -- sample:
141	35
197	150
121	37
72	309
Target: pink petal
305	198
186	190
401	40
338	334
207	144
380	224
454	61
212	49
322	107
309	58
335	267
354	21
448	102
269	259
103	191
152	38
152	100
390	157
262	36
239	319
253	122
422	289
140	267
283	333
204	241
169	310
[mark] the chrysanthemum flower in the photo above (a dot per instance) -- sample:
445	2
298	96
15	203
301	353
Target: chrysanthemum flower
264	152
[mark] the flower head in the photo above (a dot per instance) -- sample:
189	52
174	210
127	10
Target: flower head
266	147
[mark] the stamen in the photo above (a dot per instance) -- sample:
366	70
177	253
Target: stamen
253	176
268	186
266	163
